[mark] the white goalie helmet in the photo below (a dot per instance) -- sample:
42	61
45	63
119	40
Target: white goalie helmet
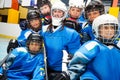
102	20
76	3
60	6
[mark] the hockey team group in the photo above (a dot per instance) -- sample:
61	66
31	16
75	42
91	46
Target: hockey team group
88	35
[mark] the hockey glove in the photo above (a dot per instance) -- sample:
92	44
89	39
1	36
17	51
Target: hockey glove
12	45
73	25
62	76
23	25
85	37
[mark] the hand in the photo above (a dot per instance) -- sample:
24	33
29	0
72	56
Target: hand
1	76
62	76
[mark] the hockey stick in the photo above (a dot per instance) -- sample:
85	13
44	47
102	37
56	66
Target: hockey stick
45	62
5	58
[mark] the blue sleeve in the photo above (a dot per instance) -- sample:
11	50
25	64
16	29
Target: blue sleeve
1	70
82	56
74	43
23	37
39	72
15	52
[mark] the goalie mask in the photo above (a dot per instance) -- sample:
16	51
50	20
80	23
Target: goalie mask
36	41
105	28
57	21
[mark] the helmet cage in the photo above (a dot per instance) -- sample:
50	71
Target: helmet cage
109	41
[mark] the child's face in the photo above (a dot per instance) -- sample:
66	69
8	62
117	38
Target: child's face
57	13
45	9
34	46
75	12
92	15
107	31
35	23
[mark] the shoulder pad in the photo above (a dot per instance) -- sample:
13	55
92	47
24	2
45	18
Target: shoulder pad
91	45
21	49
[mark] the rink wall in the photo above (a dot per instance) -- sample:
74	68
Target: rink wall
8	30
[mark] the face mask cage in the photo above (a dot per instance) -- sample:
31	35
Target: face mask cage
113	38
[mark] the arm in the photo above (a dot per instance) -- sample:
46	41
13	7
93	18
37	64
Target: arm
23	37
86	53
73	43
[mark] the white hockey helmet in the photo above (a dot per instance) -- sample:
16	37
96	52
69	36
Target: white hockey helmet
76	3
102	20
60	6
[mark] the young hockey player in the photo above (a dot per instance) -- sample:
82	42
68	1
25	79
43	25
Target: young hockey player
94	9
75	18
34	26
57	38
98	59
26	63
44	7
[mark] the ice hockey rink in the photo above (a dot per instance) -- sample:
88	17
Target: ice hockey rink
3	47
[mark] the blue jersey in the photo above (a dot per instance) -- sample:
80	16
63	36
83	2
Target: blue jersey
24	35
62	39
88	29
24	66
86	32
102	62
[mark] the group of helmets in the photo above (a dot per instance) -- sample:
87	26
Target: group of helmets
93	5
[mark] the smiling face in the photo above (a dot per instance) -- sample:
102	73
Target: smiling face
35	24
75	12
45	9
57	13
107	31
92	15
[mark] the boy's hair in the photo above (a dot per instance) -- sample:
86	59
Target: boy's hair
41	3
94	5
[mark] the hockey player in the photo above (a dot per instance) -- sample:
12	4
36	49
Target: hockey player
94	9
44	7
75	18
57	38
98	59
26	63
34	26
